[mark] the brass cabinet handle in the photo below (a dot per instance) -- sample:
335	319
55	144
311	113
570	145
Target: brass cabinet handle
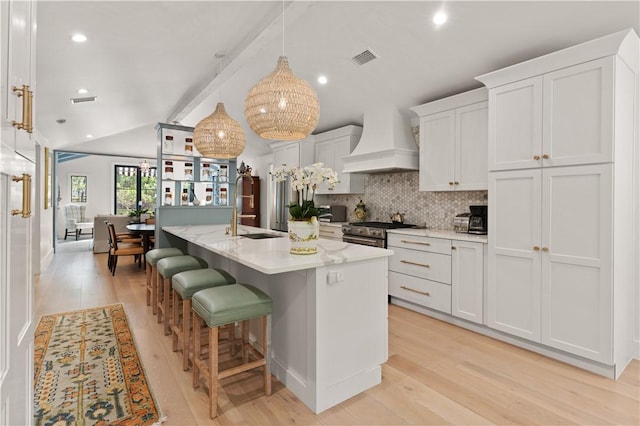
456	183
425	293
545	157
27	108
453	247
545	249
408	262
536	248
451	183
26	195
415	242
536	157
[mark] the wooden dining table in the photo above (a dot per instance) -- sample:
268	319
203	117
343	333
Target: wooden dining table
144	229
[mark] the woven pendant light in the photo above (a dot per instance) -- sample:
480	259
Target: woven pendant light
218	135
282	106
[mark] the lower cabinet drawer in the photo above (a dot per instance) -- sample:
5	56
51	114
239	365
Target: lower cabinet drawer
421	264
423	292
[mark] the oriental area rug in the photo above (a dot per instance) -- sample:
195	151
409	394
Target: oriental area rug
88	372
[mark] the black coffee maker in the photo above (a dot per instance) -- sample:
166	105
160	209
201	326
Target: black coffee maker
478	220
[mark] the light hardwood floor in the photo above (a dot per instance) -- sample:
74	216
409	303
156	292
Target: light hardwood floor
436	373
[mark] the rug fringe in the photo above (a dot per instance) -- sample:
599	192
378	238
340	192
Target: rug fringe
160	421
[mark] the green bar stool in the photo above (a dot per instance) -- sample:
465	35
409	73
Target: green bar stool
152	257
184	285
167	268
227	304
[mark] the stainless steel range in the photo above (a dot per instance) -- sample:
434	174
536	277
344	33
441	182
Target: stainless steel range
370	233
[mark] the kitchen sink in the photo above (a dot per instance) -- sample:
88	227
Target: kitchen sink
261	236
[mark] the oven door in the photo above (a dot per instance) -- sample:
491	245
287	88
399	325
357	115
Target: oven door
373	242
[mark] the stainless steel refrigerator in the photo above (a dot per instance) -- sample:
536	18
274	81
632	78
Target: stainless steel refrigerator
282	197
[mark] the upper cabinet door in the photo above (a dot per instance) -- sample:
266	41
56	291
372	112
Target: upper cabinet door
437	151
471	147
578	119
515	125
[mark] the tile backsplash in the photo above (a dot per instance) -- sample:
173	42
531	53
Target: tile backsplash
387	193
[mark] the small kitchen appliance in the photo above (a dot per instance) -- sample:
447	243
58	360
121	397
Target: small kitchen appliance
333	213
478	220
461	222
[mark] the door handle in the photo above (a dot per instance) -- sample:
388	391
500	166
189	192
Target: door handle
26	195
27	108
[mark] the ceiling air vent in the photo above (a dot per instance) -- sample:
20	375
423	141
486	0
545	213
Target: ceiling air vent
80	100
364	57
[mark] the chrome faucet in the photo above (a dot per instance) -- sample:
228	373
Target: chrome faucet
234	214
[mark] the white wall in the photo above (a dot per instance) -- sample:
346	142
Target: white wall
99	171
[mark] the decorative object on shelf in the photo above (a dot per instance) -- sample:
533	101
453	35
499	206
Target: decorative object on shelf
219	136
145	165
360	211
282	106
303	225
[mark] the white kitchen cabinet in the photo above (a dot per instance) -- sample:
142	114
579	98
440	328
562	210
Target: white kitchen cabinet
560	118
453	142
467	280
550	252
331	147
513	287
561	234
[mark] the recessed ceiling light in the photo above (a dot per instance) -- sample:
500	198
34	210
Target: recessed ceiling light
79	38
322	79
440	18
89	135
82	91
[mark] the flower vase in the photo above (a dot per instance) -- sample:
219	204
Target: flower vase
303	236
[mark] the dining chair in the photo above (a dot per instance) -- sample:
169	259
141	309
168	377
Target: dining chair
118	248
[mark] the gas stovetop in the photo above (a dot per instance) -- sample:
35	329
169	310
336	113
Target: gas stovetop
372	229
383	225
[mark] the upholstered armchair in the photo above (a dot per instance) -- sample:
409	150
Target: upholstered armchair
75	220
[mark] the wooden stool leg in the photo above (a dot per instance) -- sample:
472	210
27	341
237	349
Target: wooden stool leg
245	341
160	293
186	328
175	314
266	353
149	272
154	292
213	371
166	305
195	372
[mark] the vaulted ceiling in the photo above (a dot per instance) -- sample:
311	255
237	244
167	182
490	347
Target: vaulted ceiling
161	61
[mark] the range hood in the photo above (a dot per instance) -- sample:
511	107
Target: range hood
386	144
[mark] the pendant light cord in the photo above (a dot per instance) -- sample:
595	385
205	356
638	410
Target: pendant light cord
282	27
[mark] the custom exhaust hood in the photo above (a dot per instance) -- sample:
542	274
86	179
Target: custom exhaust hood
386	144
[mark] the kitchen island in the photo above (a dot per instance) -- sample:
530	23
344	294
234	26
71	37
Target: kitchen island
329	333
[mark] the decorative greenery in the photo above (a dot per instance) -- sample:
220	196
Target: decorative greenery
304	181
137	212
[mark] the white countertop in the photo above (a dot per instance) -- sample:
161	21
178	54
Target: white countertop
435	233
271	255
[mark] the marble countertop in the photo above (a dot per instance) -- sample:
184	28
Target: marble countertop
435	233
271	255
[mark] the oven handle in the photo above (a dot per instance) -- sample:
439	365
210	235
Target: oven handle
374	242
